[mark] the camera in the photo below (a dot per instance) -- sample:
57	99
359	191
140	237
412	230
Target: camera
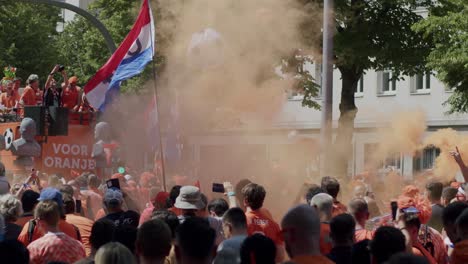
61	68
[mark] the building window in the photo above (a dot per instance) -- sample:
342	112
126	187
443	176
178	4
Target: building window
392	161
425	159
369	152
318	76
359	91
421	83
386	82
315	70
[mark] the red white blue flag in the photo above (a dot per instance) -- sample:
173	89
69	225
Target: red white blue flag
130	59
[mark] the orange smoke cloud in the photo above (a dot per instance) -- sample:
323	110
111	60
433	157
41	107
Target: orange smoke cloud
402	135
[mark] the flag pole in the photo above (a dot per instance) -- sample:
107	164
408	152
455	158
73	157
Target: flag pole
161	149
155	99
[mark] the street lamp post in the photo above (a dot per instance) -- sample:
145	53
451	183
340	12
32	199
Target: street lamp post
327	85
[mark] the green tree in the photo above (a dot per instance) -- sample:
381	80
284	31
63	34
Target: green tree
447	28
370	34
83	48
27	37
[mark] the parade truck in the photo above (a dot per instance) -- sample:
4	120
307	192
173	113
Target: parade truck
66	140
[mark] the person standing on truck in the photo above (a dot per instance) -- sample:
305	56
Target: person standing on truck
53	91
71	94
29	98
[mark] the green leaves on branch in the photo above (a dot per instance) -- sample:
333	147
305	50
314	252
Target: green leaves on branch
83	48
28	38
304	83
447	28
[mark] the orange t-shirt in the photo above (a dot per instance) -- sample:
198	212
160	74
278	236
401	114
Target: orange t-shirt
338	208
363	234
259	222
70	97
325	240
84	225
100	214
9	101
307	259
176	211
39	97
29	96
23	220
65	227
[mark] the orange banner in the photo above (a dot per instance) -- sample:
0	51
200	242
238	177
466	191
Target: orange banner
66	153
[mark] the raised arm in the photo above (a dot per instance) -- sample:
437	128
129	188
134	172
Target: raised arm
457	157
50	77
231	195
65	78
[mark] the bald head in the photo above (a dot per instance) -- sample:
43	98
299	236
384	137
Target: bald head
324	204
301	226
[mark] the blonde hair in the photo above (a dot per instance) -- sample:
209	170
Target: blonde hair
114	253
10	207
48	211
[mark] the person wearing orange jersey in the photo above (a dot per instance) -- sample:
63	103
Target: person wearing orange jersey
30	234
259	222
28	98
323	203
416	212
82	223
331	186
71	94
10	97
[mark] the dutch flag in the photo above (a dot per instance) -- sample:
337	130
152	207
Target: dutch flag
130	59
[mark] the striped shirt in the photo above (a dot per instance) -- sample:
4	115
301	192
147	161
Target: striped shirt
55	247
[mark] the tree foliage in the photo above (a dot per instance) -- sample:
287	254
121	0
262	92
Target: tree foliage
27	37
369	34
304	83
447	28
83	48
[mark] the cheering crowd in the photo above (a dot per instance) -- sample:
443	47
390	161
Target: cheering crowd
65	94
85	220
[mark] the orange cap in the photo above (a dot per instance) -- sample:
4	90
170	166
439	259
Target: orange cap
73	79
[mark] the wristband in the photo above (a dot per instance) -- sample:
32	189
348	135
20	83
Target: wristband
231	194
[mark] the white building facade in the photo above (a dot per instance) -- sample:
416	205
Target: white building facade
68	15
377	96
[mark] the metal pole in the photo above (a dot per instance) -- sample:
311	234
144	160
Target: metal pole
327	84
161	149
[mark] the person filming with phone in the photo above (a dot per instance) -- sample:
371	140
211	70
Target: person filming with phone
412	216
53	90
